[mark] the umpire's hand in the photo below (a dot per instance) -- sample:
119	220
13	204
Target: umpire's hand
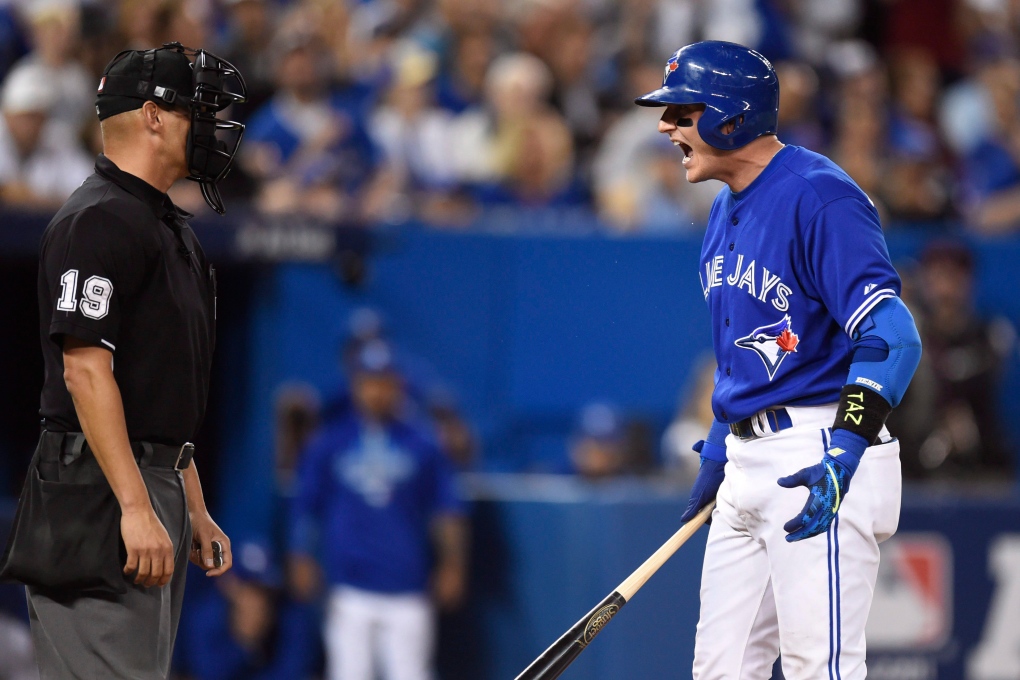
150	553
203	532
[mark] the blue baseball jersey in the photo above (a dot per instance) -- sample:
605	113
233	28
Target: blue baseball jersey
367	496
789	267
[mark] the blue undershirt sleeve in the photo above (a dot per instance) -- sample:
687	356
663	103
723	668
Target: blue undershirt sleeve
886	351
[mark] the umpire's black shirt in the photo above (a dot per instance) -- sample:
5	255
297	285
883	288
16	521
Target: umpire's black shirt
120	268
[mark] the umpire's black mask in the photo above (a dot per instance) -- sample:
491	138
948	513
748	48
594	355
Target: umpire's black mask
196	81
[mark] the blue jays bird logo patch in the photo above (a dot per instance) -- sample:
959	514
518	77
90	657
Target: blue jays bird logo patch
772	343
671	66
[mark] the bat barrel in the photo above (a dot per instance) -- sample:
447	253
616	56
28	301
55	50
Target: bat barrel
562	653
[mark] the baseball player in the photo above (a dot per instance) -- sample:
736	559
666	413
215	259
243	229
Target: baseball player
814	349
376	502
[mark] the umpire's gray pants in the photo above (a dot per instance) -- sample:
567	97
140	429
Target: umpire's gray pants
114	637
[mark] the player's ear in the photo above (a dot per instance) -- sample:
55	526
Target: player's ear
731	125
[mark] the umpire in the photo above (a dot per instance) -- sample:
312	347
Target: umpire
112	508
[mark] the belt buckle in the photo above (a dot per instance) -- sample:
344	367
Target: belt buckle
760	424
189	447
744	435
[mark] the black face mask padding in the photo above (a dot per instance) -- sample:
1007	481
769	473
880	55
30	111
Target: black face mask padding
209	153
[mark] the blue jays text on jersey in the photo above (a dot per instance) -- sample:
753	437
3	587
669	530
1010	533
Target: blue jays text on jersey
789	267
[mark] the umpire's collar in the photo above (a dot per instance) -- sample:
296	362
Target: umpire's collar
158	201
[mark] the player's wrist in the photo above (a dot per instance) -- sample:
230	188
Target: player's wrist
710	451
861	412
713	446
846	449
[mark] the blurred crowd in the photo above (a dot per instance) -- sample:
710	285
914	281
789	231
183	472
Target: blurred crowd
381	111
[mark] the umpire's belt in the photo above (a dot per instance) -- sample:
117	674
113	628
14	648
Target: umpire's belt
762	424
146	453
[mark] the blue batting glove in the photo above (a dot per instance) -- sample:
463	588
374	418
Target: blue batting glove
827	482
706	486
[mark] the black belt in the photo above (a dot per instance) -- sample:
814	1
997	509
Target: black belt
762	424
146	454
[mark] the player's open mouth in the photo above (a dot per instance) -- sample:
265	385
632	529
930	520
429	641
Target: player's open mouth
688	151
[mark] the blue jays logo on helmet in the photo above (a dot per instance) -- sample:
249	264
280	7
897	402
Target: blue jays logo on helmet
772	343
671	65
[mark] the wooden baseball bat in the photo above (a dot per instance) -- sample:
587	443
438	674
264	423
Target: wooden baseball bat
562	653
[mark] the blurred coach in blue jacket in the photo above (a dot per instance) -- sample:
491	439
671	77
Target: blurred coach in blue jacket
376	506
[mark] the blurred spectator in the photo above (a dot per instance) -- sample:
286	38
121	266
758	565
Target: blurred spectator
992	168
639	182
574	62
657	28
145	24
41	163
17	658
798	107
55	27
859	138
297	417
517	89
308	145
691	423
966	354
933	26
364	326
536	164
380	496
247	46
466	16
415	138
453	433
99	38
243	627
816	24
917	183
380	28
12	40
988	26
598	448
604	445
461	83
137	22
517	149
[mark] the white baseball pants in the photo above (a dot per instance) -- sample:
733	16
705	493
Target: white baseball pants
370	635
808	600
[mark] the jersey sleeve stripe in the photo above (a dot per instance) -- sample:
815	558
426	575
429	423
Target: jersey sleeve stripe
108	344
866	307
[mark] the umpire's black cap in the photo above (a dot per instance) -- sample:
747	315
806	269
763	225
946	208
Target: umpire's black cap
136	76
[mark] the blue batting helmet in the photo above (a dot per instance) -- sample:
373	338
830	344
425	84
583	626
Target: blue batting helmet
735	83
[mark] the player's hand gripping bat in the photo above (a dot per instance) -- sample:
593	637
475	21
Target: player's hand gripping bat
562	653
